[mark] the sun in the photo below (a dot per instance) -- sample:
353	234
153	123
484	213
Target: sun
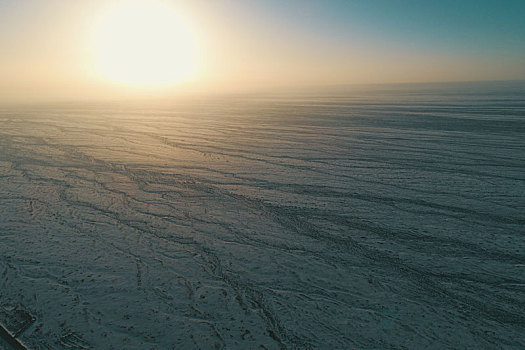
144	43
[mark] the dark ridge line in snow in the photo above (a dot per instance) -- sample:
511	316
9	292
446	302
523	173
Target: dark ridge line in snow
10	339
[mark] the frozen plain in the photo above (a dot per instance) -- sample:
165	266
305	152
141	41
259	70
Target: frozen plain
382	218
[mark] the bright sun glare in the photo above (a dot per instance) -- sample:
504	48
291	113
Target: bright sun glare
144	43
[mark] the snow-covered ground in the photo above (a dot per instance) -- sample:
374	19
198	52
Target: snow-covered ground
384	219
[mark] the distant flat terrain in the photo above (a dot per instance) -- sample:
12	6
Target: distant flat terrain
382	218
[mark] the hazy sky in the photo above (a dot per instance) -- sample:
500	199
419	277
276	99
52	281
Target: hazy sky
59	49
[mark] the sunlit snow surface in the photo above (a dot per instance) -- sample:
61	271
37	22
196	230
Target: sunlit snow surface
354	219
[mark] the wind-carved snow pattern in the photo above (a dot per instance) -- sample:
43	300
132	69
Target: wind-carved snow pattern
353	221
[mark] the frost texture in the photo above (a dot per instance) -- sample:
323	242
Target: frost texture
383	219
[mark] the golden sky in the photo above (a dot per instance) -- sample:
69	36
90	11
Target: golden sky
54	49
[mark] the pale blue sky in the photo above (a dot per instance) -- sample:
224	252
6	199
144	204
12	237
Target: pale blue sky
285	42
468	26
